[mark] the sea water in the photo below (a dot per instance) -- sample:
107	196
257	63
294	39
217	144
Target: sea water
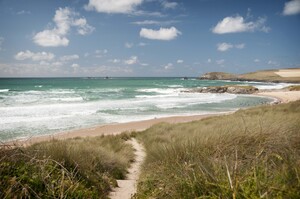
39	106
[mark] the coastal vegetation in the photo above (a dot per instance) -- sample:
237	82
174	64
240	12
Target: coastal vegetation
260	76
73	168
252	153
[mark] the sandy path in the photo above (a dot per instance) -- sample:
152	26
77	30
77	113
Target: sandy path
127	188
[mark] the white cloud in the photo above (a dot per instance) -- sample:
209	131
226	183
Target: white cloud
115	61
238	24
64	19
227	46
220	61
132	60
100	53
114	6
75	65
208	60
128	45
179	61
161	34
154	22
292	7
256	60
169	66
69	57
224	46
39	56
169	5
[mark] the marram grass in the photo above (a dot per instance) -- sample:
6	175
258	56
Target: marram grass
252	153
73	168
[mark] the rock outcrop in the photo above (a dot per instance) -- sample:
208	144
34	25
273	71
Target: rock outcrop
225	89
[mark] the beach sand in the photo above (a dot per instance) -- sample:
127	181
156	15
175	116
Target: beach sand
109	129
117	128
282	96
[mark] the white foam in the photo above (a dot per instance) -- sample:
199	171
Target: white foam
273	85
4	90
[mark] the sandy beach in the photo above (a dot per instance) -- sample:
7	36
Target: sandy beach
282	96
110	129
117	128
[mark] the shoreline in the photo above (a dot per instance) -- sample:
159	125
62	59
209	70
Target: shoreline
109	129
118	128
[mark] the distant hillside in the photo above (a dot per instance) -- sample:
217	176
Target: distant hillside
281	75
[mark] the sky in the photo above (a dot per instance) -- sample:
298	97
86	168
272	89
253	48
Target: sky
146	38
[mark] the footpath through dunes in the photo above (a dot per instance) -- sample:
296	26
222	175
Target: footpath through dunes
127	188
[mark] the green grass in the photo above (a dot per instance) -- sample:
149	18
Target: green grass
268	75
252	153
73	168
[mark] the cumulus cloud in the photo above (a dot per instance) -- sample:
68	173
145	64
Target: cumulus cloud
169	66
69	57
161	34
224	46
132	60
75	65
39	56
256	60
169	5
227	46
179	61
291	7
238	24
64	19
113	6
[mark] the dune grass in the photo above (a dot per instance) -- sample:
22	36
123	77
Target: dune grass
253	153
73	168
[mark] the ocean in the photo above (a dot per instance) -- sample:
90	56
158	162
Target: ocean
39	106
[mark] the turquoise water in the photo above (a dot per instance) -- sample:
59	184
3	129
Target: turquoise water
37	106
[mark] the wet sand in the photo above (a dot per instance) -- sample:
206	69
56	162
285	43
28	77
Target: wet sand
117	128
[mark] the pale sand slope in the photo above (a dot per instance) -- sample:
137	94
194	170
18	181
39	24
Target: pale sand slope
282	96
109	129
127	188
289	73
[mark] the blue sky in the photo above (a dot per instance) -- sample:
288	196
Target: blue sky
64	38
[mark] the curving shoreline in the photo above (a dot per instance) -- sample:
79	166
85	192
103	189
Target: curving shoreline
117	128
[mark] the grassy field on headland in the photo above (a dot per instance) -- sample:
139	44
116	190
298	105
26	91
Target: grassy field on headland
291	75
253	153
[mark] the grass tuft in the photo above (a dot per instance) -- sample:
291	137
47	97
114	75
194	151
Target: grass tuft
252	153
73	168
